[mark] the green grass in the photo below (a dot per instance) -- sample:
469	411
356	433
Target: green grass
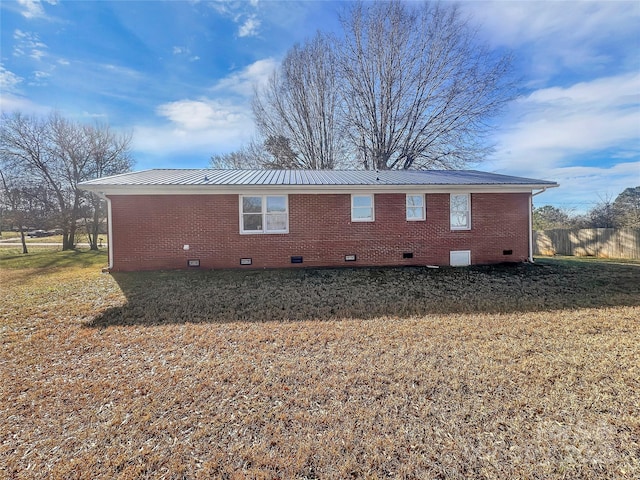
52	257
14	237
597	260
497	372
51	239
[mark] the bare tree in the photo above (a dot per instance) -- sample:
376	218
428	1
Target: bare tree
57	154
109	155
70	154
406	86
297	111
24	151
282	154
603	215
251	155
13	201
274	153
419	88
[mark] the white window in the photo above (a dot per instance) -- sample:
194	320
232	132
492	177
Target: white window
460	211
362	209
415	207
264	214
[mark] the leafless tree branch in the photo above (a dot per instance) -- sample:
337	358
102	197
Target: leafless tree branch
54	155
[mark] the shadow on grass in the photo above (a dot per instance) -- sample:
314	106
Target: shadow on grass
321	294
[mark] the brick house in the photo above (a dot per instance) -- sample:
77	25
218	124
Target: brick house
171	219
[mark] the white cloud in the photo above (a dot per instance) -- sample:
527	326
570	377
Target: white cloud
552	126
608	91
10	102
243	81
28	44
11	99
201	114
181	50
100	116
551	36
196	127
585	136
223	7
184	51
37	54
515	23
167	140
241	13
33	8
39	78
8	80
250	27
203	126
119	71
582	187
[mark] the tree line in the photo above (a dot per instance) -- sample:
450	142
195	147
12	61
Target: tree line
42	160
623	212
404	86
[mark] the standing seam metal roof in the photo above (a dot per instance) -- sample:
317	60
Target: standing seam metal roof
313	178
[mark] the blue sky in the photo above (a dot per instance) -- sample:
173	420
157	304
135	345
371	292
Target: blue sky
179	75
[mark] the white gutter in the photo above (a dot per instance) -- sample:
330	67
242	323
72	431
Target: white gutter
544	189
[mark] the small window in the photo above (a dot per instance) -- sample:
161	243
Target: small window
264	214
415	207
460	210
362	208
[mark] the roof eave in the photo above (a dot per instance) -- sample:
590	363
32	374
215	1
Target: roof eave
108	190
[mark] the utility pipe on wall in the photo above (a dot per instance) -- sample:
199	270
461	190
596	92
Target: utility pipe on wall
531	221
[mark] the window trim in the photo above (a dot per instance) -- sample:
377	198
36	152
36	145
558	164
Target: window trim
424	207
373	207
263	212
460	227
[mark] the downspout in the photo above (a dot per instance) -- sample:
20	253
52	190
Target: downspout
531	222
109	233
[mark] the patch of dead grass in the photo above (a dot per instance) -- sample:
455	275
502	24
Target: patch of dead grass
524	393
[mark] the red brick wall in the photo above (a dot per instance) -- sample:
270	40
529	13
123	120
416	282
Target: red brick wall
149	232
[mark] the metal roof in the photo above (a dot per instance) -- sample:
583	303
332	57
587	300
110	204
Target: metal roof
255	178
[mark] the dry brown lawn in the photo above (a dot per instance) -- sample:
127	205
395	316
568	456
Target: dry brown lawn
486	372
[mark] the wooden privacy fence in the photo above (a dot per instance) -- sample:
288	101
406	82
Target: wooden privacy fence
597	242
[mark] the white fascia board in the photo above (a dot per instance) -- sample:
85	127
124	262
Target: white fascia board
113	190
